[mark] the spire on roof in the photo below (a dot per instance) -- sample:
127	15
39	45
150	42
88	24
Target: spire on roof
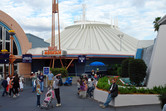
84	12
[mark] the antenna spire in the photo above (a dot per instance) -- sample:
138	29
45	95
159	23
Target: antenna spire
84	12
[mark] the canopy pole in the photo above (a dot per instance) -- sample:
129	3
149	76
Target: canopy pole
61	62
69	64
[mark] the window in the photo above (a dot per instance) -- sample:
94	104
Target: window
8	46
7	36
1	71
14	48
0	46
7	41
0	33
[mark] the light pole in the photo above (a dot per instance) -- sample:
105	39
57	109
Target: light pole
120	37
12	57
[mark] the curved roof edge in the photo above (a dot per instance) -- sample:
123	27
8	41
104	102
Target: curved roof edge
20	34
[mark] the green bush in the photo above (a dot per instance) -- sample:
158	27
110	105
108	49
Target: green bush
162	97
103	84
125	66
62	71
137	71
114	69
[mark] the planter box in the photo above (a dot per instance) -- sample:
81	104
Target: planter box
127	99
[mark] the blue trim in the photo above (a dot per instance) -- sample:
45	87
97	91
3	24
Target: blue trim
15	39
139	54
119	56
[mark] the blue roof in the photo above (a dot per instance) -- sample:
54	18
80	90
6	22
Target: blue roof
37	41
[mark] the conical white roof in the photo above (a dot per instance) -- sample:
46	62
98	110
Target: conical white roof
95	38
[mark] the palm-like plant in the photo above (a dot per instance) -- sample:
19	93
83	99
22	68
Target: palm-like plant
156	25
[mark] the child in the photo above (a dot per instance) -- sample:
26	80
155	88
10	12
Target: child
38	95
95	76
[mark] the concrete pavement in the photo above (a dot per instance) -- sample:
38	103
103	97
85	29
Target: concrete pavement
69	99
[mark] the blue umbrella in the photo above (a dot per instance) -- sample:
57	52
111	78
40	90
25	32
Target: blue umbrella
96	63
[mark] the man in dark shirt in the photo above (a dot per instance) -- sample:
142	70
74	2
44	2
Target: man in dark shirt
4	84
112	93
41	80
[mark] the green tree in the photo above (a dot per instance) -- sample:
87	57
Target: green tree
156	25
125	66
62	71
114	69
137	71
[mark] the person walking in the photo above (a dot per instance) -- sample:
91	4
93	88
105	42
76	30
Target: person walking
21	83
91	87
83	88
92	73
34	79
8	79
16	86
50	79
41	81
56	89
112	93
4	84
38	94
11	86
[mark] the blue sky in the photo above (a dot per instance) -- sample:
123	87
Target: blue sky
135	17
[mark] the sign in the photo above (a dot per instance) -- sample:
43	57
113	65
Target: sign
81	58
4	58
46	70
51	52
27	58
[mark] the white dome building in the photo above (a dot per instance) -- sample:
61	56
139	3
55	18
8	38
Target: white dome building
97	41
96	38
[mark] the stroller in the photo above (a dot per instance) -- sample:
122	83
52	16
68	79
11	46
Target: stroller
68	81
48	99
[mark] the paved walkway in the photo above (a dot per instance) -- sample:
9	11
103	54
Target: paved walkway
70	102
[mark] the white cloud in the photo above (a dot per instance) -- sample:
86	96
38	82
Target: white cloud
135	16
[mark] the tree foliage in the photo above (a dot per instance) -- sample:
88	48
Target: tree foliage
61	71
125	66
114	69
137	71
156	25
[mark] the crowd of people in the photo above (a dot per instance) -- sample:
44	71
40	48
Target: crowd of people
12	85
52	83
86	86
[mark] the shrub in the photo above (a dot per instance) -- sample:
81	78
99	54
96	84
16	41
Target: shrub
125	66
137	71
114	69
103	84
119	70
62	71
162	97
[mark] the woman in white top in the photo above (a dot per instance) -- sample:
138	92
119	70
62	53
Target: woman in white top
21	83
8	79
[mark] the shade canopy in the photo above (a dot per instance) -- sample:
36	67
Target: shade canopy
96	63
